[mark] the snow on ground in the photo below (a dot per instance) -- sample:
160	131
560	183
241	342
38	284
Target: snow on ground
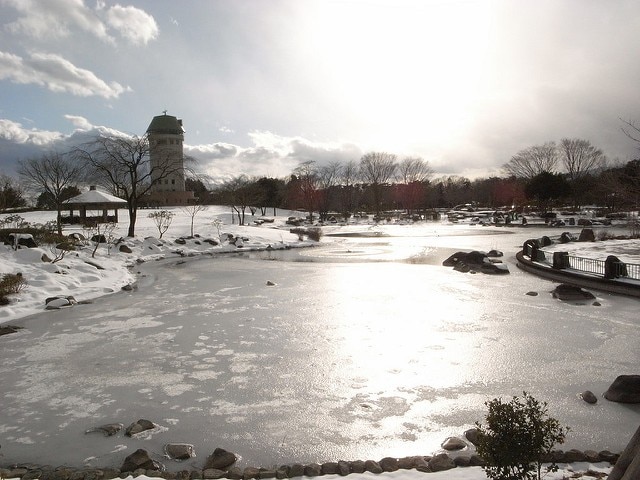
76	274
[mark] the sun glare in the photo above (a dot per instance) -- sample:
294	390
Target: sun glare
405	70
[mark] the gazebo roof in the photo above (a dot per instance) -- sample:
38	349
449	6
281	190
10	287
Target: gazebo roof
95	197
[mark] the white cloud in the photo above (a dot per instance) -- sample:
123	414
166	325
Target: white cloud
57	74
134	24
270	155
47	19
80	123
17	133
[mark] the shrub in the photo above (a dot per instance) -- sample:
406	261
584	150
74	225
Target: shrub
11	283
518	437
313	233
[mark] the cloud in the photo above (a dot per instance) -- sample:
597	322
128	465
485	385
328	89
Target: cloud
134	24
54	18
57	74
269	155
80	123
17	133
47	19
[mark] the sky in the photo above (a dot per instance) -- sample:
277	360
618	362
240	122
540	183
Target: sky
262	86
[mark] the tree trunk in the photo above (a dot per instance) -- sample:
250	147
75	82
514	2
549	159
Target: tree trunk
132	222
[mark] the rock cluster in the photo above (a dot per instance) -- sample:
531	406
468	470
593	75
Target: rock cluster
140	463
476	261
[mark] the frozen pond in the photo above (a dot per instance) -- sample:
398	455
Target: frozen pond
364	348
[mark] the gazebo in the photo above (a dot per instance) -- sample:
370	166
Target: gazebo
94	200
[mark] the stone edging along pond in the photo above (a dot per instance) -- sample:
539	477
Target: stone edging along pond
426	464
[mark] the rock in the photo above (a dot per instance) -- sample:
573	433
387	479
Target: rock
330	468
589	397
140	426
213	473
211	241
462	461
532	294
270	283
389	464
591	456
357	466
107	430
250	472
624	389
22	240
127	288
235	473
220	459
344	468
472	435
476	461
125	248
494	253
60	301
474	261
419	463
139	460
99	238
180	241
573	456
571	293
587	235
45	258
179	451
607	456
373	467
566	237
7	329
295	470
441	462
312	470
454	443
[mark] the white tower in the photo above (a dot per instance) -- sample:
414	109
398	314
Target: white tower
166	138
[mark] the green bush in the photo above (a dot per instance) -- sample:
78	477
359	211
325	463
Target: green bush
518	438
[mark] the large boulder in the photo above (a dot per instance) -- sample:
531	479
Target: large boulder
587	235
474	261
22	240
624	389
140	426
139	460
179	451
571	293
220	459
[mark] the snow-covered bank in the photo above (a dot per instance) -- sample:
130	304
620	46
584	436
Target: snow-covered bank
85	277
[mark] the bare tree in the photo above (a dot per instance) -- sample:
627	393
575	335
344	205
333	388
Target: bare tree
239	193
307	186
192	211
328	177
11	193
122	164
52	173
413	169
162	219
377	169
533	161
580	158
349	176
